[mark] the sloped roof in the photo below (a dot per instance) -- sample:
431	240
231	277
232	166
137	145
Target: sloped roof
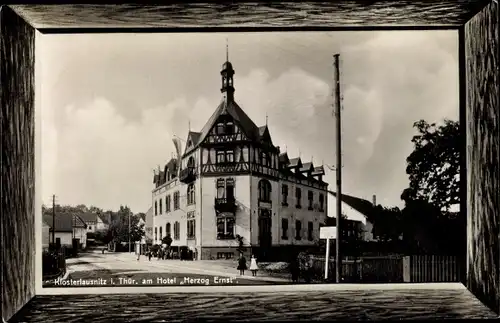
105	217
295	162
306	167
283	158
262	130
88	217
195	140
319	170
64	222
363	206
231	108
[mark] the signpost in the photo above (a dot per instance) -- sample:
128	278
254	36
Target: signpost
327	233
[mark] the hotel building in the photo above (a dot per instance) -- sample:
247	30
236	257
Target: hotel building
232	182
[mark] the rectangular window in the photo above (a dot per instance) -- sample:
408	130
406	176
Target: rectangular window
167	204
310	228
225	255
190	194
298	197
229	129
177	231
229	156
225	228
156	208
220	128
161	206
191	227
176	200
298	230
156	233
161	233
310	198
221	188
220	157
284	229
284	194
321	202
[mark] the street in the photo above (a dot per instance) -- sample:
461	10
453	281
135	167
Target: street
93	269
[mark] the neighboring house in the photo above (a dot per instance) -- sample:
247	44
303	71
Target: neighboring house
357	211
148	228
45	235
231	180
90	220
103	221
67	227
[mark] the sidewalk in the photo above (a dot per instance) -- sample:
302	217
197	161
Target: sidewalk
208	267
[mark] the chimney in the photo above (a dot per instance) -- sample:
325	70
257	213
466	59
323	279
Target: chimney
374	200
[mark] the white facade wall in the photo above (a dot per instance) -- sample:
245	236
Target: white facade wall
303	214
208	216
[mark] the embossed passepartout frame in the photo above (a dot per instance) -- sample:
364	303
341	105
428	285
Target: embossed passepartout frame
476	23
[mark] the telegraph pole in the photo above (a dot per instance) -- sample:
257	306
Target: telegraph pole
338	261
129	245
54	219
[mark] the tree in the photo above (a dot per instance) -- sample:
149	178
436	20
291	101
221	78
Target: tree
434	165
387	223
119	226
167	240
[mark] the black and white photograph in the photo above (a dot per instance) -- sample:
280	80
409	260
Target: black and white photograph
250	161
212	158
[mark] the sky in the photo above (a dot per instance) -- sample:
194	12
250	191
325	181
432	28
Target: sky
110	104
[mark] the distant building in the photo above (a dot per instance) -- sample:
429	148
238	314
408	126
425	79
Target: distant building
67	227
357	211
148	228
93	221
231	180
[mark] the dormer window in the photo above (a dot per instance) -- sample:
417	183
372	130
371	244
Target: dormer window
220	128
229	129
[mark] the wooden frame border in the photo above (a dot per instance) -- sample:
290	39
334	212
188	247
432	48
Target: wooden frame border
477	25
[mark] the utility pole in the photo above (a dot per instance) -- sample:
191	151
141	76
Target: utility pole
338	260
54	220
129	245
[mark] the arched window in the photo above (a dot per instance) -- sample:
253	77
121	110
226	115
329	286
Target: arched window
190	194
168	229
177	231
264	191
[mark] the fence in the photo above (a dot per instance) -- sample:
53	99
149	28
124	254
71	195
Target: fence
53	263
427	269
392	269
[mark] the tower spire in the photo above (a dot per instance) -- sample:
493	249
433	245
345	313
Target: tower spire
266	118
227	50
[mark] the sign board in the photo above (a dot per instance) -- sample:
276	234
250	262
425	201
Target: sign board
328	232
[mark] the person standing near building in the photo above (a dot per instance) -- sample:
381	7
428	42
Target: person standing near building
242	264
253	265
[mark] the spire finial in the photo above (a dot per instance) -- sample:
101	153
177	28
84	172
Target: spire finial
189	125
286	149
227	50
266	118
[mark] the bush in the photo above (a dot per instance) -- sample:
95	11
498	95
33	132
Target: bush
53	263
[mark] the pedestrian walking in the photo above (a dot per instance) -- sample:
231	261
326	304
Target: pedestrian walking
149	255
253	265
138	255
242	264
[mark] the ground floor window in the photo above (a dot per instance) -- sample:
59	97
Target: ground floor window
191	227
284	229
225	255
225	227
177	231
